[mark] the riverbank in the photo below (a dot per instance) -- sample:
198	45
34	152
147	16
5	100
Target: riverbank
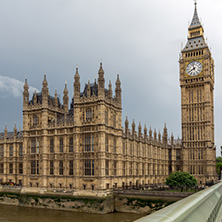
143	202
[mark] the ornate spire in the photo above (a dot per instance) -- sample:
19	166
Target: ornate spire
26	87
126	123
65	98
195	21
35	98
110	89
118	90
77	77
44	82
88	90
101	80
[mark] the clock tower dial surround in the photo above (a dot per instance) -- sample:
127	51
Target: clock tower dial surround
197	104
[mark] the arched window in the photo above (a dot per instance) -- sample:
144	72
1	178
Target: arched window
35	120
89	115
106	117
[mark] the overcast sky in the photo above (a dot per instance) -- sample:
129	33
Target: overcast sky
139	39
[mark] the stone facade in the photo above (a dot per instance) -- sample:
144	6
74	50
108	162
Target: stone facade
84	146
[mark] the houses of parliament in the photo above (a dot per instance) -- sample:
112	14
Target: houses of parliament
82	145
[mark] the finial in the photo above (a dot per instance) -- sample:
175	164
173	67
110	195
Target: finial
195	2
66	83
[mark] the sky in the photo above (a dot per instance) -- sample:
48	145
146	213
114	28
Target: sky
138	39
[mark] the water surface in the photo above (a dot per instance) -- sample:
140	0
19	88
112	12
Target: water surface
25	214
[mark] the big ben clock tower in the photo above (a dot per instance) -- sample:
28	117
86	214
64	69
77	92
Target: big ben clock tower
197	104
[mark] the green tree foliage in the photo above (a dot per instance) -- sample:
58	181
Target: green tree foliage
219	164
181	180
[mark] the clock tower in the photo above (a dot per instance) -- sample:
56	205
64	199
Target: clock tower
197	104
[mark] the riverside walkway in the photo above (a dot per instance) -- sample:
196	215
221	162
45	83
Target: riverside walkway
203	206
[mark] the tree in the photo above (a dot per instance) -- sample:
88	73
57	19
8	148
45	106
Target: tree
219	164
181	180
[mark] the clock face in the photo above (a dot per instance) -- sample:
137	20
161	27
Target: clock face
194	68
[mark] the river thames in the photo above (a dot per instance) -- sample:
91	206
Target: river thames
25	214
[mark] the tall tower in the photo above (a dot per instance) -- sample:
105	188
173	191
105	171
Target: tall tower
197	104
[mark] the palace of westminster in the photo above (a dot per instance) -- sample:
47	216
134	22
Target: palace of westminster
84	146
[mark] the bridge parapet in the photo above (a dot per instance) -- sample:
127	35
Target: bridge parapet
205	205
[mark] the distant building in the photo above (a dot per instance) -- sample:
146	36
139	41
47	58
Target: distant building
84	146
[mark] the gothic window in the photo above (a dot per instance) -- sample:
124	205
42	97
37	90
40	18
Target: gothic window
51	145
51	167
115	168
107	144
71	144
114	120
1	168
106	117
37	145
114	144
35	120
34	167
20	150
89	142
131	149
148	169
60	167
20	168
1	151
11	168
124	148
88	115
89	167
11	150
143	169
107	167
33	145
61	145
71	167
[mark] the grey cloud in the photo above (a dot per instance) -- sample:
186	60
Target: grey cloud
11	87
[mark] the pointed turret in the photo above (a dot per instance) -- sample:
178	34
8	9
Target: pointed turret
165	134
172	139
150	134
154	135
145	132
126	125
25	95
118	90
195	21
35	98
76	86
65	98
56	99
133	127
110	90
195	34
88	90
15	130
5	131
159	137
45	92
101	81
140	130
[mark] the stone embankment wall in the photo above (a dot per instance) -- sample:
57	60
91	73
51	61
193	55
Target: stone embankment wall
100	205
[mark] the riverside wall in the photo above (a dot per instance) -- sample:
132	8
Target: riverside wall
99	203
